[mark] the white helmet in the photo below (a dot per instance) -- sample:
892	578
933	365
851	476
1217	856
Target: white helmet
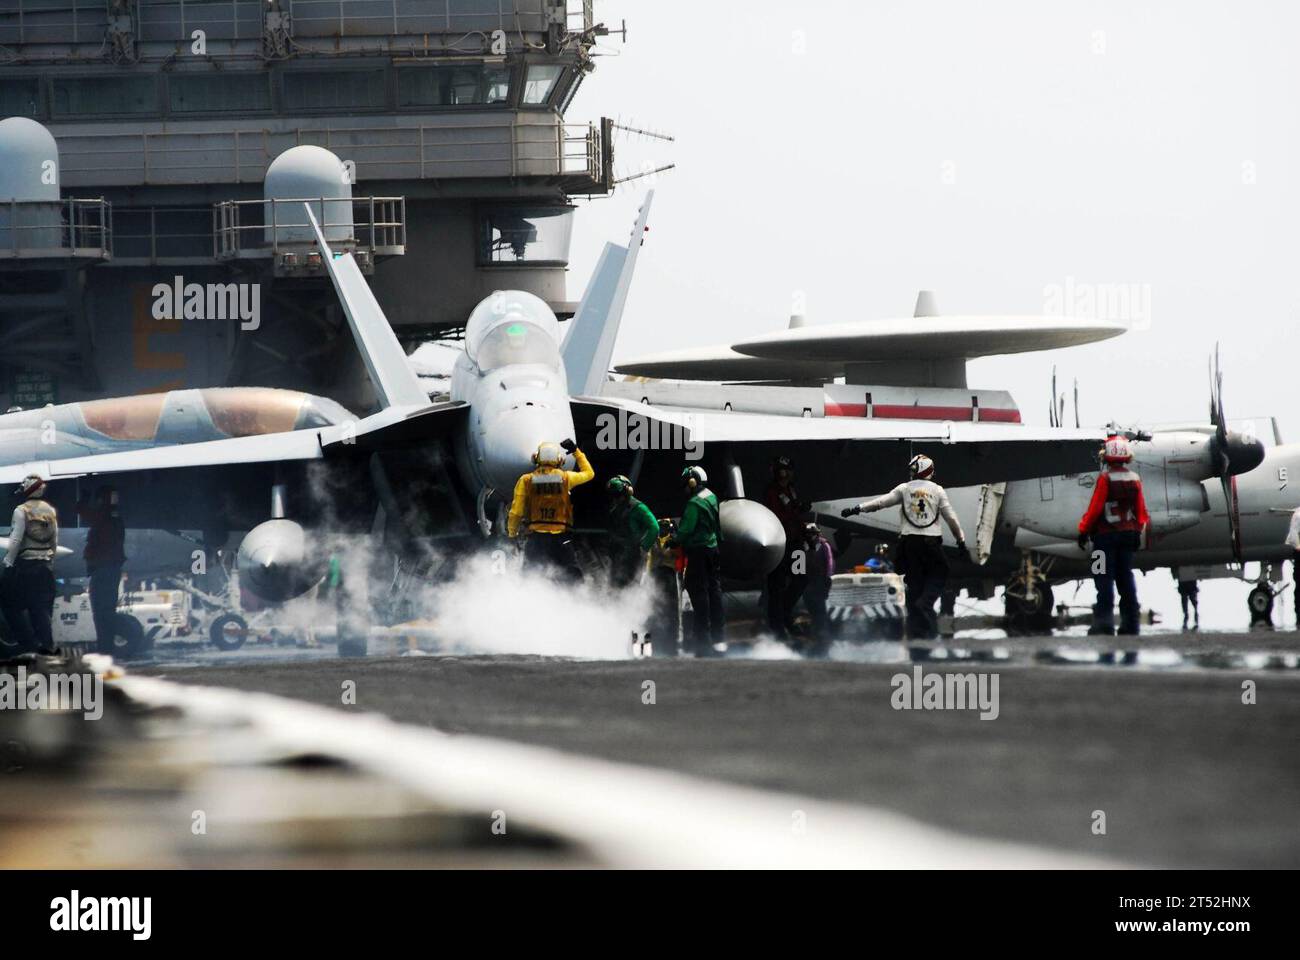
31	486
694	477
921	467
549	454
1116	450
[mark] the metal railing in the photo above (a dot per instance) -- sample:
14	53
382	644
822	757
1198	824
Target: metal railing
580	150
162	235
420	151
561	149
39	229
84	21
240	227
584	11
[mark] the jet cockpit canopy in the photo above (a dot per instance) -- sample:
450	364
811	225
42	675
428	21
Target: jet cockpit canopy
512	327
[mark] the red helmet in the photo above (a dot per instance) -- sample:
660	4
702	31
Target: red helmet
1116	450
921	467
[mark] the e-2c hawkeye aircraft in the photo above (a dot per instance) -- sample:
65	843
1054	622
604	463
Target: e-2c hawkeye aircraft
1217	497
302	477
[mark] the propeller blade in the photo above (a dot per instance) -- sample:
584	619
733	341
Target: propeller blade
1221	422
1076	403
1214	406
1233	505
1219	444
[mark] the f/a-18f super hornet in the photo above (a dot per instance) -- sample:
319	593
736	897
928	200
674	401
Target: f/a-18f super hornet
417	472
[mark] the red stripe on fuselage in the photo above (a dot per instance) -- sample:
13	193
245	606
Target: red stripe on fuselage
901	411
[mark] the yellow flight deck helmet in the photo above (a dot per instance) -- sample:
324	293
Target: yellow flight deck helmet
549	454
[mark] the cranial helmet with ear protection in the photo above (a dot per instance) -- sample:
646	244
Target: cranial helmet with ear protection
619	484
1117	449
694	477
31	485
549	454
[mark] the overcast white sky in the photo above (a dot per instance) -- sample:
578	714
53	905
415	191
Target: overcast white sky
859	151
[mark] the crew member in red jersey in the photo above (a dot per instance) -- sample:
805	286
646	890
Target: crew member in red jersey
1115	522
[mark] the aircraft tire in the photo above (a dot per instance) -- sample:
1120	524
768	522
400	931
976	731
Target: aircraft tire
1024	617
218	636
129	639
1260	603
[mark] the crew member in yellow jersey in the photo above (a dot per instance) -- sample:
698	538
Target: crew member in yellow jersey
542	510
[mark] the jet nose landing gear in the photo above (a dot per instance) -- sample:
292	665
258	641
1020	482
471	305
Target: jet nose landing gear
1028	600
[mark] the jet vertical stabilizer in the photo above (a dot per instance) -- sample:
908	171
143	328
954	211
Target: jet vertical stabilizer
396	384
589	345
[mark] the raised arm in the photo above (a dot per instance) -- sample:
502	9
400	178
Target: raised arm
577	478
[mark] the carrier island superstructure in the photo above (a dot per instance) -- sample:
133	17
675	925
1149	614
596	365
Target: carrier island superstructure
184	135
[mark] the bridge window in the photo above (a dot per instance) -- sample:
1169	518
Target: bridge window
540	82
103	95
334	90
19	98
453	86
525	235
225	92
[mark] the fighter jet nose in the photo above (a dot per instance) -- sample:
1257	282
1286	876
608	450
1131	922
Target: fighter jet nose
1245	453
514	438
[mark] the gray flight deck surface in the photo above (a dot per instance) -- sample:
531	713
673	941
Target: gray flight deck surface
1186	774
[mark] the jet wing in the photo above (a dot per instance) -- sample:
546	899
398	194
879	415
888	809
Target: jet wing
222	485
835	457
394	427
265	448
398	427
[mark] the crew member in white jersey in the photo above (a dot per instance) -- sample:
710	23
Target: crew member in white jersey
921	560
